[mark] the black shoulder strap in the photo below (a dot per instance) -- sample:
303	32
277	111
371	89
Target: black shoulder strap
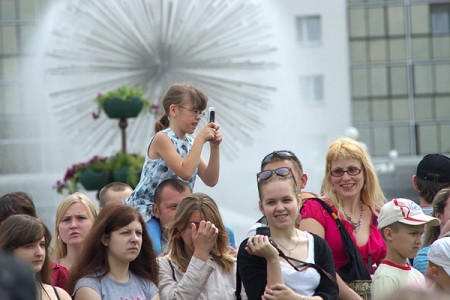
329	210
237	293
349	246
173	270
56	292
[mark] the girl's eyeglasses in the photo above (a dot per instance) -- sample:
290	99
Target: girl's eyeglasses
266	174
283	154
195	112
352	171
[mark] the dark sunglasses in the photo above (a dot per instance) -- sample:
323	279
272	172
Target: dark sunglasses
283	154
266	174
302	265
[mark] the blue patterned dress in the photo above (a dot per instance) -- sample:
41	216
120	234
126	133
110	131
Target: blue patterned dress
156	171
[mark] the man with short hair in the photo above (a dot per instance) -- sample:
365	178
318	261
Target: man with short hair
168	195
432	175
114	192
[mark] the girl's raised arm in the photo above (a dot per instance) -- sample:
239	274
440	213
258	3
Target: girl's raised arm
162	146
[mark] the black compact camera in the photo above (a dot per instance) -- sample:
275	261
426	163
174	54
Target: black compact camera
263	230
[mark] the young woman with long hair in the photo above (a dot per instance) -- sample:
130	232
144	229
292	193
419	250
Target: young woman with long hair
28	239
74	218
117	260
291	264
198	265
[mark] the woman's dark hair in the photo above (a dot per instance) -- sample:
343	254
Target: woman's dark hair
16	203
20	230
178	94
94	257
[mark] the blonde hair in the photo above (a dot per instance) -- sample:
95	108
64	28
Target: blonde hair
60	246
210	212
347	148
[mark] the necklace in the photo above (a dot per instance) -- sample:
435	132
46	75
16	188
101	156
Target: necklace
356	225
292	249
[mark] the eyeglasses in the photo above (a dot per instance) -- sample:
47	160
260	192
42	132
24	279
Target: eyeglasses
283	154
195	112
352	171
266	174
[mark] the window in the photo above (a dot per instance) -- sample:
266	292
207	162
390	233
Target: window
440	18
309	31
312	88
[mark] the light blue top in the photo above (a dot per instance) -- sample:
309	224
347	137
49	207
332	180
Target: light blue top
156	171
421	260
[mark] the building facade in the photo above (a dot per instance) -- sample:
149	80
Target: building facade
400	75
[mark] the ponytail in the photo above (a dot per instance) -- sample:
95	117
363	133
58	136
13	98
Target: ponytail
162	123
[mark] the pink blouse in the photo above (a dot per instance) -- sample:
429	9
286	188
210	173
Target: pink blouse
375	246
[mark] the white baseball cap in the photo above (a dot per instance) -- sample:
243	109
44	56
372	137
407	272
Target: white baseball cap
404	211
439	253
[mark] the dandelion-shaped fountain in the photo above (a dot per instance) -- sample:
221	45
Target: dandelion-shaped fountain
98	45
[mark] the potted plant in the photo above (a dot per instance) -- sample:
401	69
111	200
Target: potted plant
127	168
92	175
123	102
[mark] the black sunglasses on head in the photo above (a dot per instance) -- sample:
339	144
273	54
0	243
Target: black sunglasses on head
283	154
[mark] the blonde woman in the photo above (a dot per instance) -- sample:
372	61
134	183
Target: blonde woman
74	219
198	265
350	188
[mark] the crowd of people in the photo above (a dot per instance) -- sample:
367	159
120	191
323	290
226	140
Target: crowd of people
161	240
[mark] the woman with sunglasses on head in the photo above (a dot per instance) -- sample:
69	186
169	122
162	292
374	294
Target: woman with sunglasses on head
287	159
299	265
351	189
27	239
172	152
198	265
117	261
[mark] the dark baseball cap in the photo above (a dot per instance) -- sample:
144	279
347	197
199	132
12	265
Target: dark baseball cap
434	167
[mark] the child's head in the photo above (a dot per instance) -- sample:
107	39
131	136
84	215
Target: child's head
402	222
439	264
114	192
181	95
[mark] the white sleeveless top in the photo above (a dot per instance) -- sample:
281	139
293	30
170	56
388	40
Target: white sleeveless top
306	281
